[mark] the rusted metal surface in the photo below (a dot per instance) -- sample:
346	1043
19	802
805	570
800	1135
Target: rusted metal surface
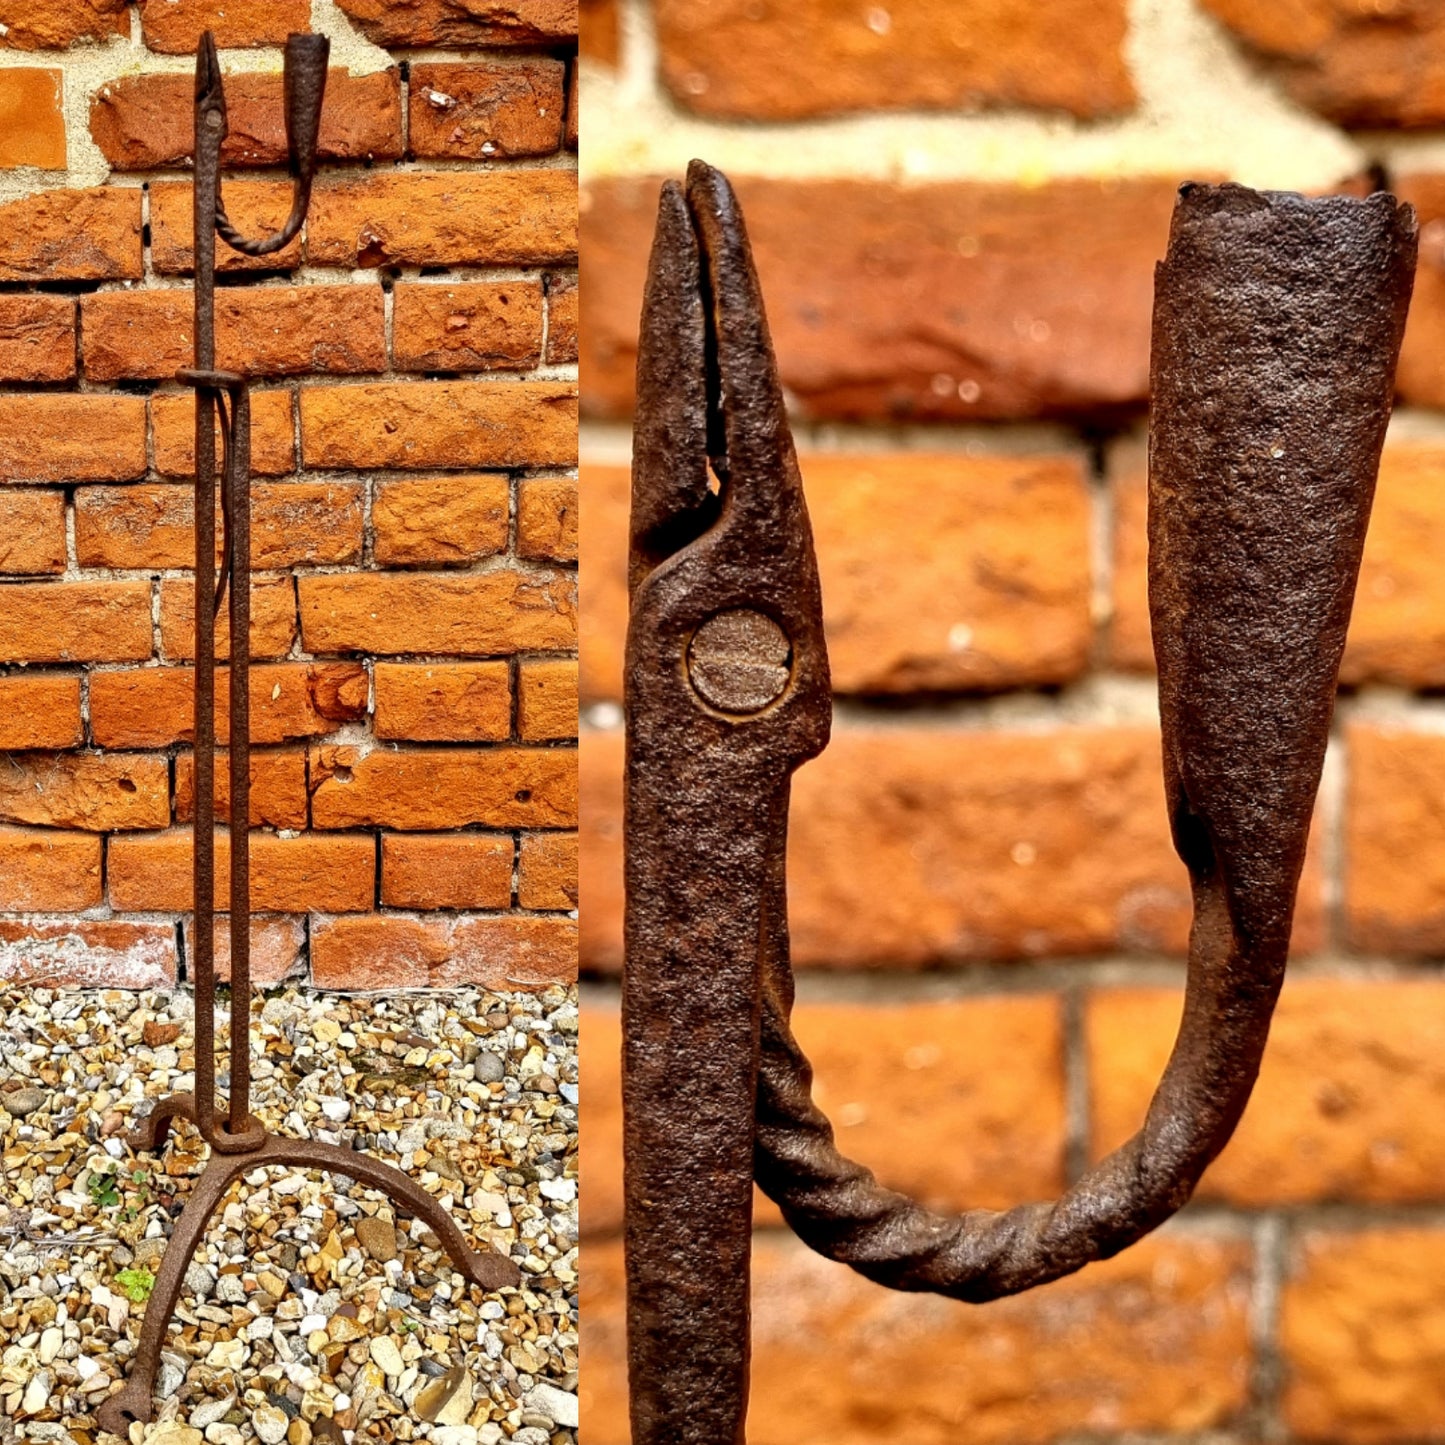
1277	326
238	1141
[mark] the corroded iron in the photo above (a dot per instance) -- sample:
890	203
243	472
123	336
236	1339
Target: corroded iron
238	1141
1277	325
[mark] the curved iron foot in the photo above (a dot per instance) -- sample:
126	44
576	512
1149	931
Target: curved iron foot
133	1402
152	1132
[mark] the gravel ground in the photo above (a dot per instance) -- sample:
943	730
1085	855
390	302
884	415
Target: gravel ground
309	1314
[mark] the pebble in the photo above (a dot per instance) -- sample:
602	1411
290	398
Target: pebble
172	1433
23	1102
270	1424
558	1406
37	1393
377	1237
208	1412
489	1069
50	1342
387	1357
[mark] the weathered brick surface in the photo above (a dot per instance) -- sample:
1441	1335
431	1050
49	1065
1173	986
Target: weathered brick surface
485	112
1359	1320
1421	374
32	531
258	208
944	301
278	788
462	23
133	119
273	619
278	947
547	873
465	614
479	326
84	953
75	622
44	871
174	27
37	338
422	425
330	872
390	950
939	573
54	437
439	519
445	218
93	792
56	24
547	700
911	847
1156	1340
444	701
264	331
79	235
745	62
446	870
432	789
547	520
895	1079
1346	1101
32	122
39	710
273	434
562	323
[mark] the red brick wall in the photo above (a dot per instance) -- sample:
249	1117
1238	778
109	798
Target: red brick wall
414	691
987	915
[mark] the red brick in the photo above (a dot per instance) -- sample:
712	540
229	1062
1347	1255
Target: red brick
478	326
145	525
32	531
472	614
133	119
562	323
273	434
269	331
439	519
278	947
174	27
434	789
54	437
1359	1319
278	788
399	951
960	846
84	954
152	707
37	338
94	792
547	519
32	120
58	24
421	425
444	702
273	619
736	61
42	871
462	23
894	1078
39	710
940	573
487	111
257	208
547	871
600	37
446	870
72	235
573	103
1155	1341
445	218
547	700
331	873
934	302
75	622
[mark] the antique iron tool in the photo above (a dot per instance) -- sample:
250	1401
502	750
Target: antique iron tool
238	1141
1277	325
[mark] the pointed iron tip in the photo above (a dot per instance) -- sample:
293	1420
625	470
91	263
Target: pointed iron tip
208	66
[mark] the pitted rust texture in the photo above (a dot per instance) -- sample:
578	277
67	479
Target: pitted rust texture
239	1142
1277	326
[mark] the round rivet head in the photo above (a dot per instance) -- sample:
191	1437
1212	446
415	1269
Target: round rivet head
739	661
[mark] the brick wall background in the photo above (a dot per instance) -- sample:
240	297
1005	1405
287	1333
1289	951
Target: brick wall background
956	210
414	685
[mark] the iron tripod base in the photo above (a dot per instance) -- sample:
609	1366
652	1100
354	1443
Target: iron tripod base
257	1149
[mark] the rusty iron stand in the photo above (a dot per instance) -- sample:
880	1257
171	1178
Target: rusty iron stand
1277	325
239	1143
